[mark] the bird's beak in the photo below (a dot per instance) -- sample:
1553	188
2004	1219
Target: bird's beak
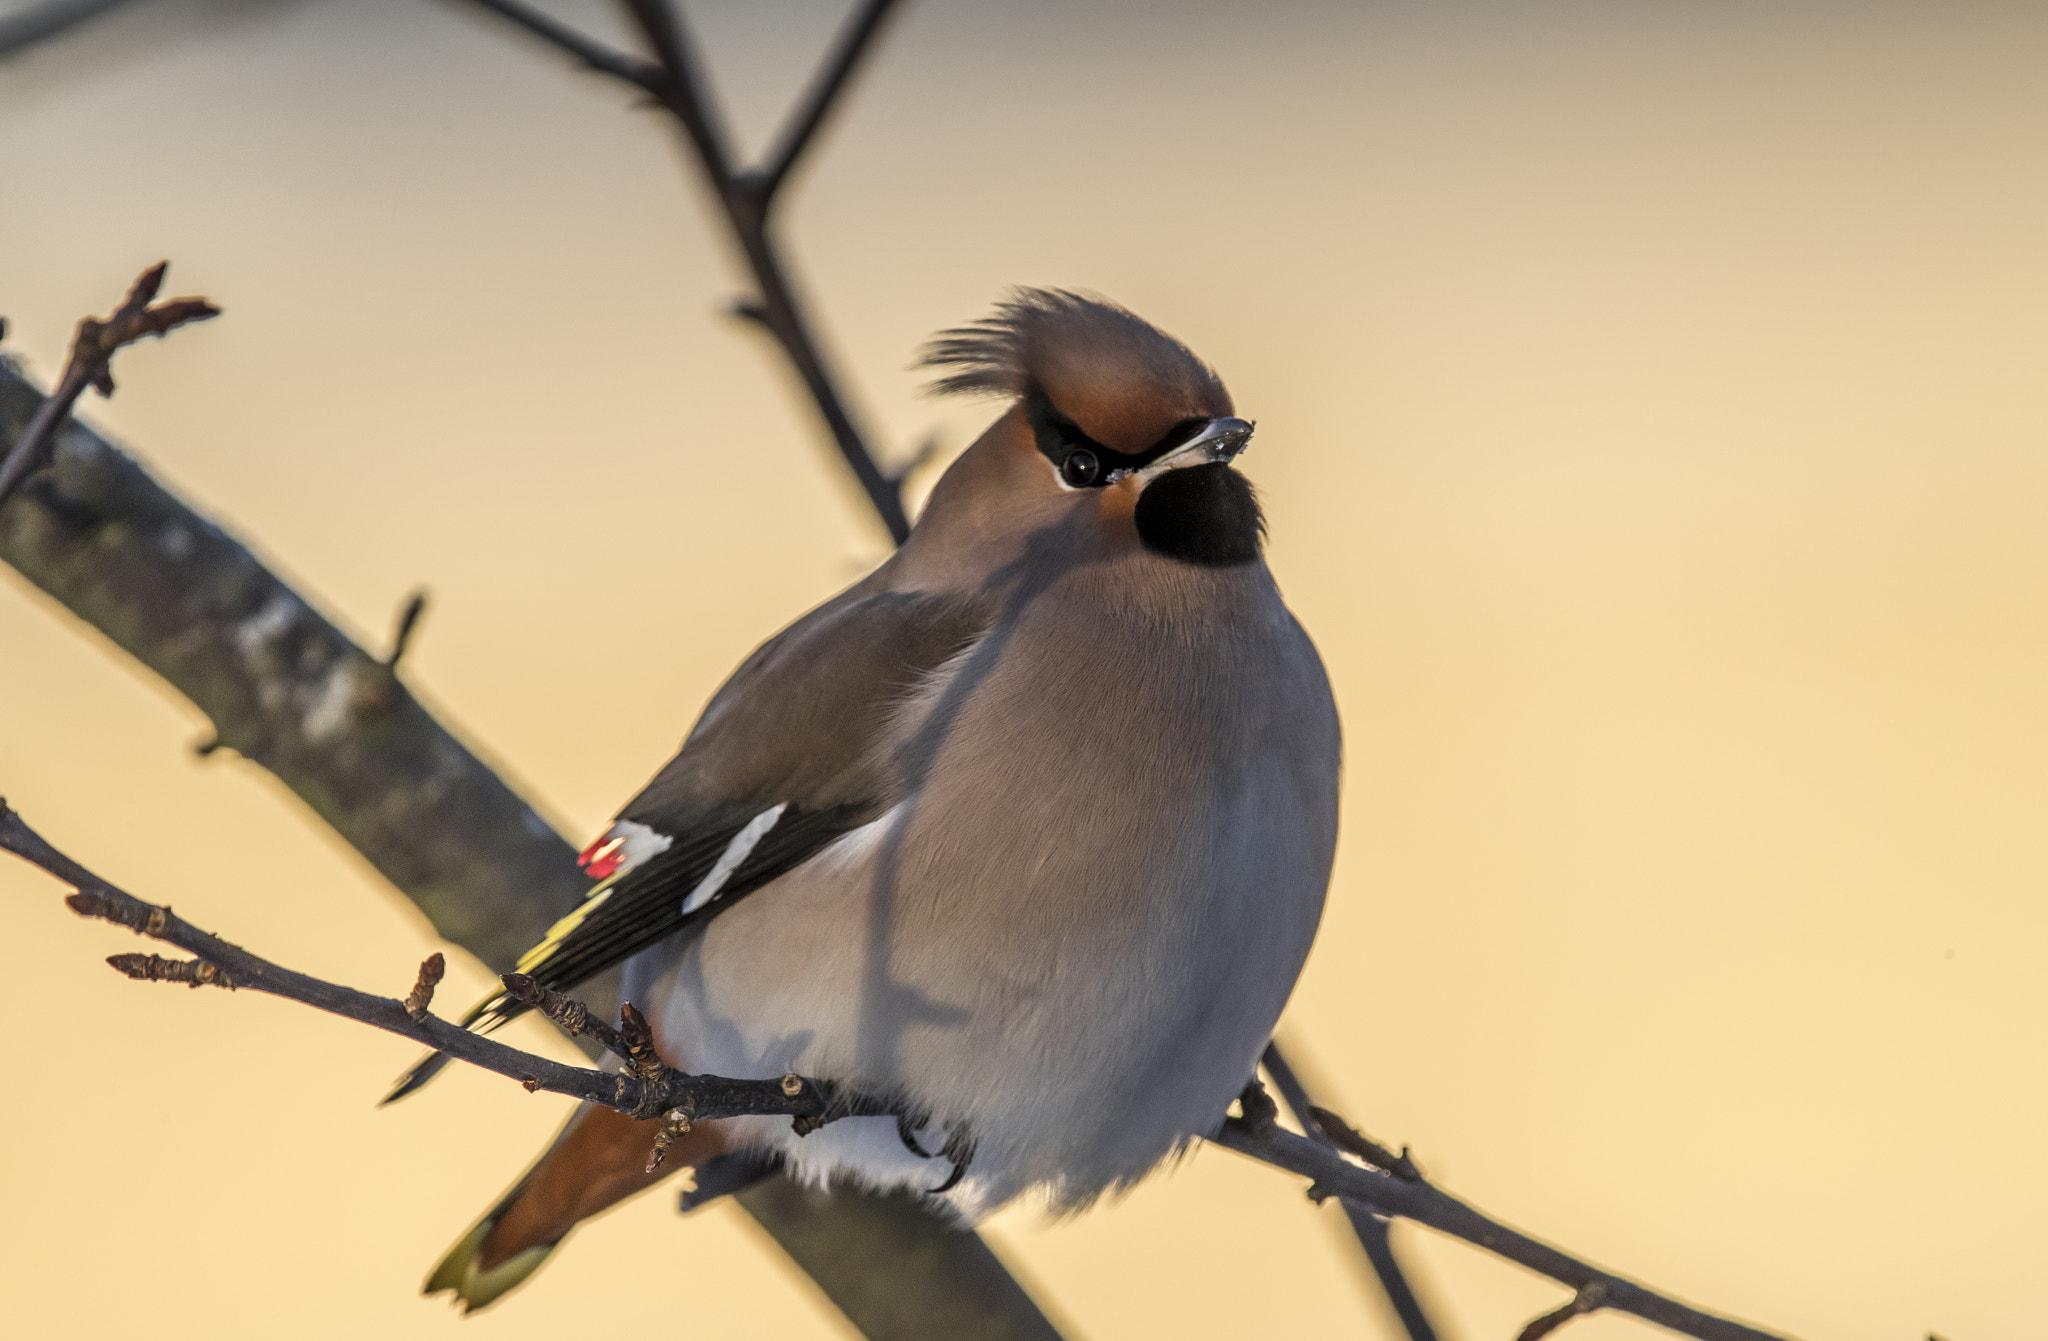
1220	440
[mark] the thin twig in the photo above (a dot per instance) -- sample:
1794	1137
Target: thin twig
675	1124
638	1037
747	210
571	1015
747	195
594	55
1336	1131
1258	1136
155	968
682	88
408	622
1587	1299
92	349
1371	1230
650	1089
853	42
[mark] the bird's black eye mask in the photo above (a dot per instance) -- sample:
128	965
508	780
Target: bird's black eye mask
1083	462
1205	515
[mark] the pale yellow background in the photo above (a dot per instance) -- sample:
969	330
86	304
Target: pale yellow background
1652	425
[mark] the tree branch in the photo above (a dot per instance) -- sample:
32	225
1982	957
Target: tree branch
745	196
1257	1135
645	1088
286	688
811	110
92	353
592	54
1586	1300
1370	1229
408	624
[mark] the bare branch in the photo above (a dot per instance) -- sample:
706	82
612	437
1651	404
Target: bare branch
675	1124
19	32
155	968
1258	1136
648	1087
286	689
592	54
1370	1229
746	209
810	113
408	621
745	196
1341	1134
1586	1300
92	351
682	88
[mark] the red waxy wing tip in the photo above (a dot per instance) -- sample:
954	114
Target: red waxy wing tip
602	857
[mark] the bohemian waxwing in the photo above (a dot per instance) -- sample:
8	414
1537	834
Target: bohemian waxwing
1027	832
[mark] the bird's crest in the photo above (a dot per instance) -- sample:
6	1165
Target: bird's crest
1045	337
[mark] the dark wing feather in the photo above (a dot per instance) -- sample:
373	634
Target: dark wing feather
795	726
642	906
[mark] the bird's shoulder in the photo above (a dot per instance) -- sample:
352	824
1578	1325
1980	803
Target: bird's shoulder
782	762
797	723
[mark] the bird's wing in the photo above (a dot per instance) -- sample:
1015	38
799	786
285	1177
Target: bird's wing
783	761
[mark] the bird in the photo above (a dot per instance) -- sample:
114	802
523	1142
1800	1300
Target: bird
1026	834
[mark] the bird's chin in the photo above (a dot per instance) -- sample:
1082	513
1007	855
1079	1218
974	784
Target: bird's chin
1206	514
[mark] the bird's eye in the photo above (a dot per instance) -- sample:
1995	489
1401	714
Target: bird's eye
1080	468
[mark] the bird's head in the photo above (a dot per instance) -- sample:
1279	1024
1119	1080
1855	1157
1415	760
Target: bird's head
1110	417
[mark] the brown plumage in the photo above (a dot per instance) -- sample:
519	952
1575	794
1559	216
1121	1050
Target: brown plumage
597	1160
1026	832
1121	378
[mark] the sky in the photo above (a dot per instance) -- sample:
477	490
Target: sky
1652	434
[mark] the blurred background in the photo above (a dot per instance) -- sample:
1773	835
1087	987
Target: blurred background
1652	429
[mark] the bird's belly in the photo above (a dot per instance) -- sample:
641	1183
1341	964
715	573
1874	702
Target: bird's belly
1075	1039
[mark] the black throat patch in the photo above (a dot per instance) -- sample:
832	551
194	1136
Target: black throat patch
1205	515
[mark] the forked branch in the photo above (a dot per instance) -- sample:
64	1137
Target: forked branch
1369	1227
747	195
92	353
646	1087
1385	1192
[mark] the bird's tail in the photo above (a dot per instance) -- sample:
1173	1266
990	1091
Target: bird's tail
598	1160
474	1285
